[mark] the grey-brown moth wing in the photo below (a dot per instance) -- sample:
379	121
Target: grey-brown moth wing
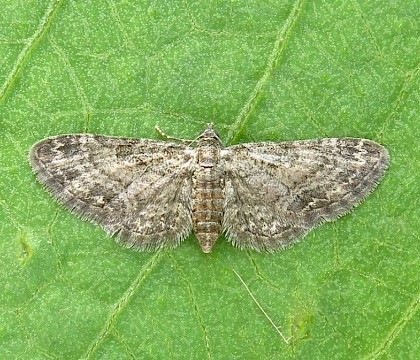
276	192
139	189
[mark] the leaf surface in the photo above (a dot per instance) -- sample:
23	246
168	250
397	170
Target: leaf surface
275	70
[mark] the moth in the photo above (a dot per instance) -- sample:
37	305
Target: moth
151	194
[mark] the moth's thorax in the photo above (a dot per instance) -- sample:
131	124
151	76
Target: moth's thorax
207	190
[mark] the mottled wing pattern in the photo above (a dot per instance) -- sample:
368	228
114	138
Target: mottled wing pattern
276	192
137	188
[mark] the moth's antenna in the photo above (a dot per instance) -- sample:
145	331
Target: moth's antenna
185	141
169	137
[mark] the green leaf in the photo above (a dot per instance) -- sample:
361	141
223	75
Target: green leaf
272	70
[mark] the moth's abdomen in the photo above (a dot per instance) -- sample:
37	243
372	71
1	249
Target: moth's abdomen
207	194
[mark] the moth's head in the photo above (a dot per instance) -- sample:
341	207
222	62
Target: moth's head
209	134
